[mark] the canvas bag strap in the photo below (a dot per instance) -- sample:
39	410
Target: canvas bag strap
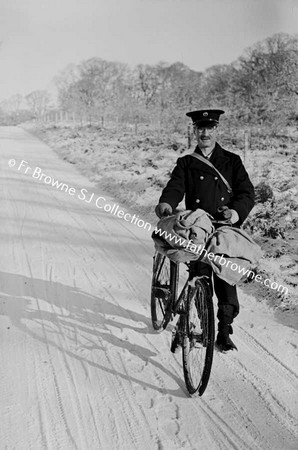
204	160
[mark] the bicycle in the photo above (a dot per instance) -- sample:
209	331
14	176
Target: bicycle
195	328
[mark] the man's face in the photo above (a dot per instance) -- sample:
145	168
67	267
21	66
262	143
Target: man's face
206	136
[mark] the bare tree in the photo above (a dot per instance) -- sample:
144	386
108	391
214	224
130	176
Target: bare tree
265	79
38	102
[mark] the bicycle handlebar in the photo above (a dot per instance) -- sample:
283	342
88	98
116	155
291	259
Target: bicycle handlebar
214	221
222	222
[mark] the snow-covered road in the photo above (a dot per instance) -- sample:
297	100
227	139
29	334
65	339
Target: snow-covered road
81	367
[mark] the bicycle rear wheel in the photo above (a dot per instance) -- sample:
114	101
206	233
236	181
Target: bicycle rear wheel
163	290
198	337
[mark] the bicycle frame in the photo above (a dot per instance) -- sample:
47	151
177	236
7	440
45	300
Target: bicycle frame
177	303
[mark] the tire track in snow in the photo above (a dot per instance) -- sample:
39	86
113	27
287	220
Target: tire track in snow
42	394
54	375
126	408
73	397
262	414
279	365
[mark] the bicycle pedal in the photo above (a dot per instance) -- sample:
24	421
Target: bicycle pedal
175	344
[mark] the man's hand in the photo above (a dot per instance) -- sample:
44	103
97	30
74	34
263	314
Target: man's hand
228	214
163	209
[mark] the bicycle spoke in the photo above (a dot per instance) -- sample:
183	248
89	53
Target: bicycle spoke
199	339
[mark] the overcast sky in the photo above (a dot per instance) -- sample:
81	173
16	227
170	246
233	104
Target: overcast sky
40	38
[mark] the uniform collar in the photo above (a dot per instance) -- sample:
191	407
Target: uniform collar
217	154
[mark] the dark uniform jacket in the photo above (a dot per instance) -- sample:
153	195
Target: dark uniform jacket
204	189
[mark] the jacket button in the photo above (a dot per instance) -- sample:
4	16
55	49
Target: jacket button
201	177
198	200
216	178
222	199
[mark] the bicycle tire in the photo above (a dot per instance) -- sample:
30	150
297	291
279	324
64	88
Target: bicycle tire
198	337
163	290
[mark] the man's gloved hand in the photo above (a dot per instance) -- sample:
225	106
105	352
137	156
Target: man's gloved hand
225	212
163	209
228	214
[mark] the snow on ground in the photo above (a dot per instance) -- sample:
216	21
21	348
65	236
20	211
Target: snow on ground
82	367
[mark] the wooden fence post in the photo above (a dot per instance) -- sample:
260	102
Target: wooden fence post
246	146
189	135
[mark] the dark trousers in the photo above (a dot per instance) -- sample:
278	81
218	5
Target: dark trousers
228	304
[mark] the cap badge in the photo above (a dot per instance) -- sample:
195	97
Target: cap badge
205	114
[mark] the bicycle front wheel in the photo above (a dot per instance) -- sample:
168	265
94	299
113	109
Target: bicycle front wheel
163	290
198	337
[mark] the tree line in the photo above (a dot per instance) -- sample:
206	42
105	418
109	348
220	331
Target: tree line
260	87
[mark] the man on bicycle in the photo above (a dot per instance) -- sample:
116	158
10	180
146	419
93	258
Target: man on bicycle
204	188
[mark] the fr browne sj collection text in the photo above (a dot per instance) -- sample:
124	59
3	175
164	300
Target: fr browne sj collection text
82	194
